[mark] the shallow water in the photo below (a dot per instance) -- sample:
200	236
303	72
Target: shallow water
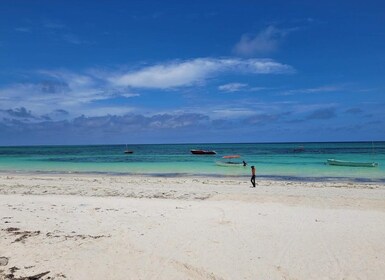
272	160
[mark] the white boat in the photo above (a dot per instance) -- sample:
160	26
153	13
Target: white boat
229	162
351	163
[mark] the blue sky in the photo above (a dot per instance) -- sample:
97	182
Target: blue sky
109	72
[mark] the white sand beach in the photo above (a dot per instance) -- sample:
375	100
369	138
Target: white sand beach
136	227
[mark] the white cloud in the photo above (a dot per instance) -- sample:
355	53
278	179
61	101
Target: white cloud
90	91
168	75
196	71
266	41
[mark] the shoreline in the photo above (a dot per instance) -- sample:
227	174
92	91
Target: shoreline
82	226
277	178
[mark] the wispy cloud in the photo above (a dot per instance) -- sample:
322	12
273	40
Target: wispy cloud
235	87
312	90
354	111
193	72
61	90
309	108
247	108
322	114
23	29
232	87
49	24
19	113
125	122
266	118
265	42
94	93
225	113
74	39
62	32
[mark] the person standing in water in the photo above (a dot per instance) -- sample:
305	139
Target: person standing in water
252	180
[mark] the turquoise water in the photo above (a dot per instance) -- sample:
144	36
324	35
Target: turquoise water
277	160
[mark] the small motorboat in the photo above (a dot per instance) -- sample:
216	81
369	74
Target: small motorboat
228	161
351	163
203	152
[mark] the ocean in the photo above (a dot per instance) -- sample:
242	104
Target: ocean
272	160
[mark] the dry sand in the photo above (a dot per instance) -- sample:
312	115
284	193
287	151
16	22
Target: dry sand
133	227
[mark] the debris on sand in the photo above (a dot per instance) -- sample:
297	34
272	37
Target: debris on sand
11	275
3	261
22	234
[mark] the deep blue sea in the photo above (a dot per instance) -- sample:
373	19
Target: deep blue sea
272	160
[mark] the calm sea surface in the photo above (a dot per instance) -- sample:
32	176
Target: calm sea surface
278	160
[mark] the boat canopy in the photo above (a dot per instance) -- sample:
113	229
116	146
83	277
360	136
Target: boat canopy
232	156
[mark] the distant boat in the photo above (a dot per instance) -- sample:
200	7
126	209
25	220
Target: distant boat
351	163
203	152
228	161
299	149
127	151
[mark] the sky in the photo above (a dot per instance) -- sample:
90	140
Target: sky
133	72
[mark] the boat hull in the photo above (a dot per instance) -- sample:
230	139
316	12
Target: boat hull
229	164
351	163
202	152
